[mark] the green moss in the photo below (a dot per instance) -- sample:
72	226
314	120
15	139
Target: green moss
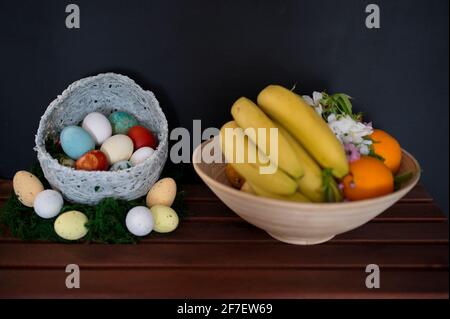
23	223
106	219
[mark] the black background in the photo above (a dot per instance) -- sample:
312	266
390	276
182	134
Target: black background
199	56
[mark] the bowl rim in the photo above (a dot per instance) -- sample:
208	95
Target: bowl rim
289	204
163	142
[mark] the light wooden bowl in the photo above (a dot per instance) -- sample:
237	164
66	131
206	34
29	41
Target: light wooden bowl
300	223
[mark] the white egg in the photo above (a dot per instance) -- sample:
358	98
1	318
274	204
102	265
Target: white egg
98	126
139	221
141	155
48	203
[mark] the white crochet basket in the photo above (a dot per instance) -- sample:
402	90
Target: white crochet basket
104	93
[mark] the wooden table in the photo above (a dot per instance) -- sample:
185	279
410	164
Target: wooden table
215	254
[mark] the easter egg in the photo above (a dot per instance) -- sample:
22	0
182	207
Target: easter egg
162	193
121	165
117	148
165	218
66	161
92	161
139	221
98	126
121	122
76	141
26	187
142	137
48	203
71	225
141	155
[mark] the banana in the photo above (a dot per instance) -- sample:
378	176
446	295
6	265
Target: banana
306	126
248	161
249	116
332	193
246	188
311	182
296	197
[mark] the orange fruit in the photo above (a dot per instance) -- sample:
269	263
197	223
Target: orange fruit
368	178
387	147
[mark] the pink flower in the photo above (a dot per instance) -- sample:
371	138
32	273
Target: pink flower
352	152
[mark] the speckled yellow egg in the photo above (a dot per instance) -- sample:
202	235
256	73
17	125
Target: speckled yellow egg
26	186
165	219
162	193
71	225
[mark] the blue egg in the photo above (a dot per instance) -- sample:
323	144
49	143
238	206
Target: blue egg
121	122
76	141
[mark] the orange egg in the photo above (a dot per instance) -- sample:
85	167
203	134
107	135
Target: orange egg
388	148
368	178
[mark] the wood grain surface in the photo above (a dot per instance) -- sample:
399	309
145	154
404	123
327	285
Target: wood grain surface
215	254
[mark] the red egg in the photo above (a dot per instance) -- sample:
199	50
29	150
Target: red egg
142	137
92	161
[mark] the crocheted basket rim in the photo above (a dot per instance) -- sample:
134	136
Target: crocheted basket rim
40	135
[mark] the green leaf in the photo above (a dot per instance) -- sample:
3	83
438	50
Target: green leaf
331	190
346	103
373	154
399	180
339	104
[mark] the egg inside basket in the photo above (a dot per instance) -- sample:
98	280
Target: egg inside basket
104	93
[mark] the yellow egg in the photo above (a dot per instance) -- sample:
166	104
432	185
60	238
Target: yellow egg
26	186
71	225
162	193
165	219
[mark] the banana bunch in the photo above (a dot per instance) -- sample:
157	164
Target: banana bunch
297	163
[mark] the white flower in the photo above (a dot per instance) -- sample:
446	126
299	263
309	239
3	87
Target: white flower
315	101
348	130
364	149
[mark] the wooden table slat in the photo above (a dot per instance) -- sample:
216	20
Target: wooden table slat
215	254
240	231
223	255
233	283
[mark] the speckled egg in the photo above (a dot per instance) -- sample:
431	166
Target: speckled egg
166	219
26	187
76	141
98	126
162	193
117	148
121	122
71	225
121	165
48	203
141	155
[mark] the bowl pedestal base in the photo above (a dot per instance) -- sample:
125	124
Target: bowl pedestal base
301	240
